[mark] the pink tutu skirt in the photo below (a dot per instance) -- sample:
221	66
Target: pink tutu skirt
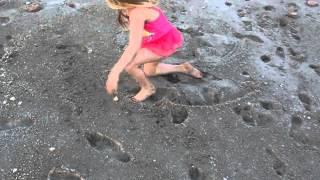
165	45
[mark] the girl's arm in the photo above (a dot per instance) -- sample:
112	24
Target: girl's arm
136	29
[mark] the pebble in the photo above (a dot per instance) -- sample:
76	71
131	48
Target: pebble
20	102
90	50
116	99
52	149
246	19
293	14
12	98
2	2
4	102
14	170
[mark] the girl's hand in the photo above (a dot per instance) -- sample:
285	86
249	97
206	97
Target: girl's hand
112	83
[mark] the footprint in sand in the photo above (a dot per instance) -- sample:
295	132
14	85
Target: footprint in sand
280	52
306	100
265	58
251	37
246	114
2	52
8	37
295	36
192	138
3	2
70	4
270	105
195	173
252	118
4	20
264	120
63	174
227	3
173	78
294	33
168	93
316	115
295	133
316	68
179	114
9	123
283	21
297	55
278	166
211	96
296	122
103	143
269	8
245	73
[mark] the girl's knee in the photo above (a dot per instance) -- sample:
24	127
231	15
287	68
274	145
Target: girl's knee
128	69
150	69
149	72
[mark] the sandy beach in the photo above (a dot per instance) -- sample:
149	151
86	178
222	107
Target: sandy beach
254	116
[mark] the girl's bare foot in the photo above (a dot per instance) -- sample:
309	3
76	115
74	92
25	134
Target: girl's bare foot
144	93
194	72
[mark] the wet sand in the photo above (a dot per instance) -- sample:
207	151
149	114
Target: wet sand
255	114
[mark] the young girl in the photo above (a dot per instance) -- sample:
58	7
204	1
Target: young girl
152	37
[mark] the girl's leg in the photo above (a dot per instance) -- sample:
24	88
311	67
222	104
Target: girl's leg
156	68
147	88
152	67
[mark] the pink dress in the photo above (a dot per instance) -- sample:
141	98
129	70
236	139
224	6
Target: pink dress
161	37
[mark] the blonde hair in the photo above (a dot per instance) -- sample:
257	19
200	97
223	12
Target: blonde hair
125	4
121	5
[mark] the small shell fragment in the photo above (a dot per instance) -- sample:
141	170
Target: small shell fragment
116	99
